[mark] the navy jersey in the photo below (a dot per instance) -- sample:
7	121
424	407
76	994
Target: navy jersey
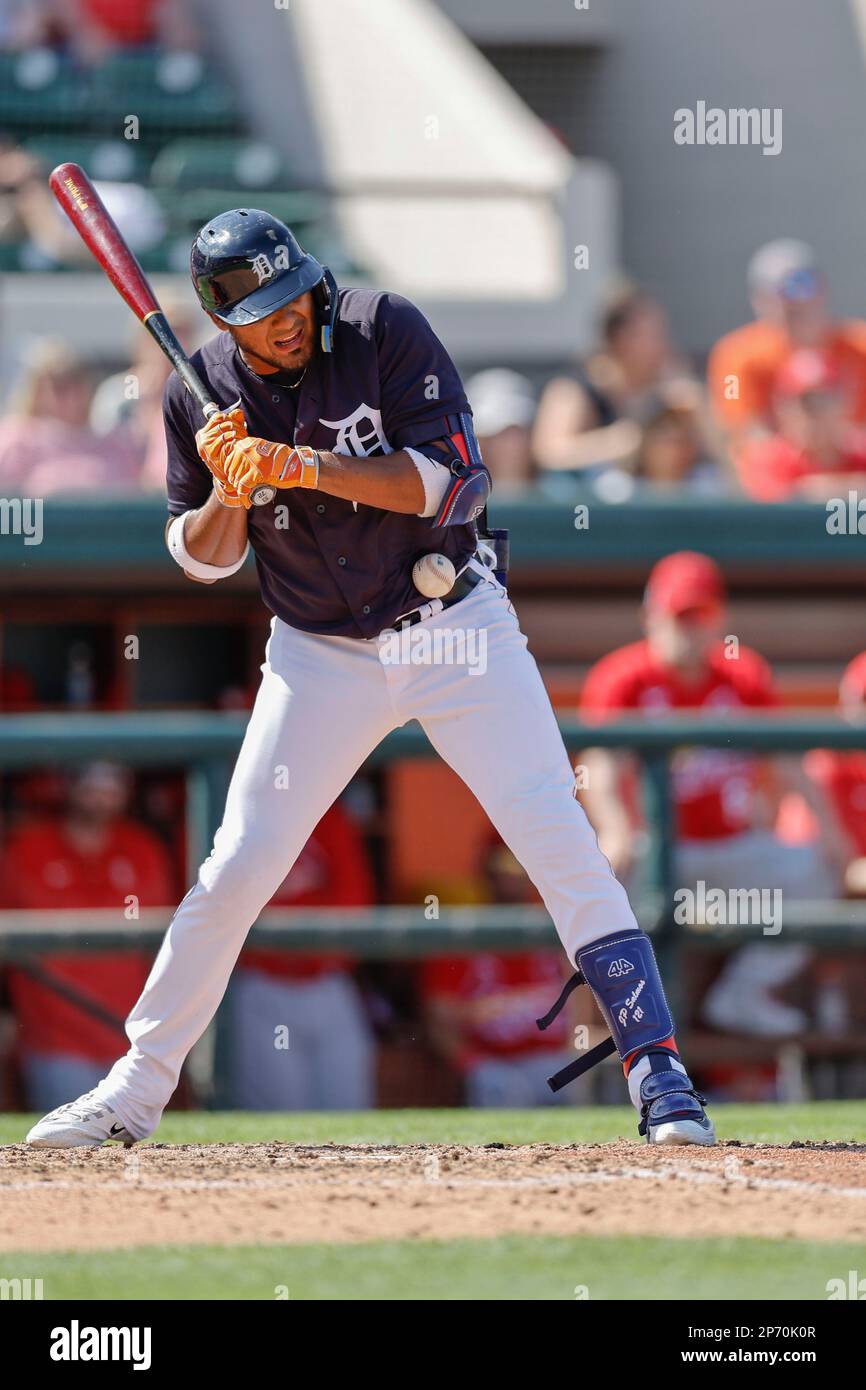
326	565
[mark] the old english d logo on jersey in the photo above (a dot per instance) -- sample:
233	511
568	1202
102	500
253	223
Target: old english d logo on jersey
620	967
360	434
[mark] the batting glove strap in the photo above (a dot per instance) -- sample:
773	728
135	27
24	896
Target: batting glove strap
253	462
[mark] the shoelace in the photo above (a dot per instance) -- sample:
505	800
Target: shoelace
83	1108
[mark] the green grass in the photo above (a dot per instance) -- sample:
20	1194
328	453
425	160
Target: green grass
501	1268
776	1124
505	1268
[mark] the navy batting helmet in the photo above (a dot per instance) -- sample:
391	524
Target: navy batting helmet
246	263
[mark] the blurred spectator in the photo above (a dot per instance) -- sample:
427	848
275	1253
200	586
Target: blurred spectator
725	817
503	409
788	294
842	776
46	443
94	856
817	448
594	418
673	458
481	1008
327	1061
93	28
129	403
29	214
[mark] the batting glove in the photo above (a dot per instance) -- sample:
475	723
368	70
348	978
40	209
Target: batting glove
252	462
217	438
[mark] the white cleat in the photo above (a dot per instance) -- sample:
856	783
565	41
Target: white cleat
80	1124
672	1111
683	1132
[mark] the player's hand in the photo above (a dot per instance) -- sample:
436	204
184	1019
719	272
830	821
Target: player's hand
229	496
252	462
218	437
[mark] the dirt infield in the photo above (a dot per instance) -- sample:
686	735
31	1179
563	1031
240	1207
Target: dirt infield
230	1194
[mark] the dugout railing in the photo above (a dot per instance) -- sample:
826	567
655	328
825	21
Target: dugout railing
205	745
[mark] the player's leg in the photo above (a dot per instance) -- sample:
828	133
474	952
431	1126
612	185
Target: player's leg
497	730
322	707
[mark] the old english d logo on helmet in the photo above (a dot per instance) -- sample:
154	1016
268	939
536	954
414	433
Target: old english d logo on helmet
245	264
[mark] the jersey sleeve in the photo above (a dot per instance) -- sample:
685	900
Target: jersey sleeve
188	480
419	383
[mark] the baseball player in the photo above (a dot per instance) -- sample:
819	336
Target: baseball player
344	456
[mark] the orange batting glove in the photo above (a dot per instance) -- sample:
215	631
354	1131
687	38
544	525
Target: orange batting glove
216	438
252	462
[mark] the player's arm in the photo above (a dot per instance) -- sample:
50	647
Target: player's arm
392	482
213	536
207	532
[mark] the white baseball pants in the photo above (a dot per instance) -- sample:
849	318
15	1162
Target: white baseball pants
323	706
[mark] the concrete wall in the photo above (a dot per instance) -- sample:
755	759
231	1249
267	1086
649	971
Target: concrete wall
691	217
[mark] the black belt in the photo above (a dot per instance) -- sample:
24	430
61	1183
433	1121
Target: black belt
463	585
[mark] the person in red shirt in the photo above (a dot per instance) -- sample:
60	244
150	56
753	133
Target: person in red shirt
725	814
300	1036
817	449
789	298
95	856
481	1008
842	776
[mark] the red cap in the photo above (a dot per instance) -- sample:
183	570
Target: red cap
853	681
685	581
807	370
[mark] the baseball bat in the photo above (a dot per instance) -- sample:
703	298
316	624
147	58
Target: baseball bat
91	219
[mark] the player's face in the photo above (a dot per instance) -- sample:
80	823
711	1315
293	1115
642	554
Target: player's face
683	640
283	342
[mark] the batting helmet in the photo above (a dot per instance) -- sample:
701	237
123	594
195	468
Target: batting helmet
246	263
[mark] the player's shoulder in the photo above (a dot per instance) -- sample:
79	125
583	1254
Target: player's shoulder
850	334
750	342
374	310
616	675
749	672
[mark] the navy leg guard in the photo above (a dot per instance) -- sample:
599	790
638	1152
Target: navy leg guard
622	973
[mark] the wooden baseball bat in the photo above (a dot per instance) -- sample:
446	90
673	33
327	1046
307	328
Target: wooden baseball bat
91	219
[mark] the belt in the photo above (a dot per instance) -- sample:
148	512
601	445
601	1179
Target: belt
463	585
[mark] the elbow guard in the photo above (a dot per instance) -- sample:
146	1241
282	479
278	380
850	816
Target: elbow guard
467	496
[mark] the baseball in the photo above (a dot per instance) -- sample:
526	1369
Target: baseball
433	576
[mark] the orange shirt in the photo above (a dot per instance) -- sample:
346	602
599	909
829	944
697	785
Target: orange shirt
754	355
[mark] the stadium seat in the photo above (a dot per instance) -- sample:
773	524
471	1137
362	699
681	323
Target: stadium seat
212	163
169	92
40	88
115	160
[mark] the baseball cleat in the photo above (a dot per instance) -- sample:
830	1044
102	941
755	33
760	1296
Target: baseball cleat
672	1112
83	1123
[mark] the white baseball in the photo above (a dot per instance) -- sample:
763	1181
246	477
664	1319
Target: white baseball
433	576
